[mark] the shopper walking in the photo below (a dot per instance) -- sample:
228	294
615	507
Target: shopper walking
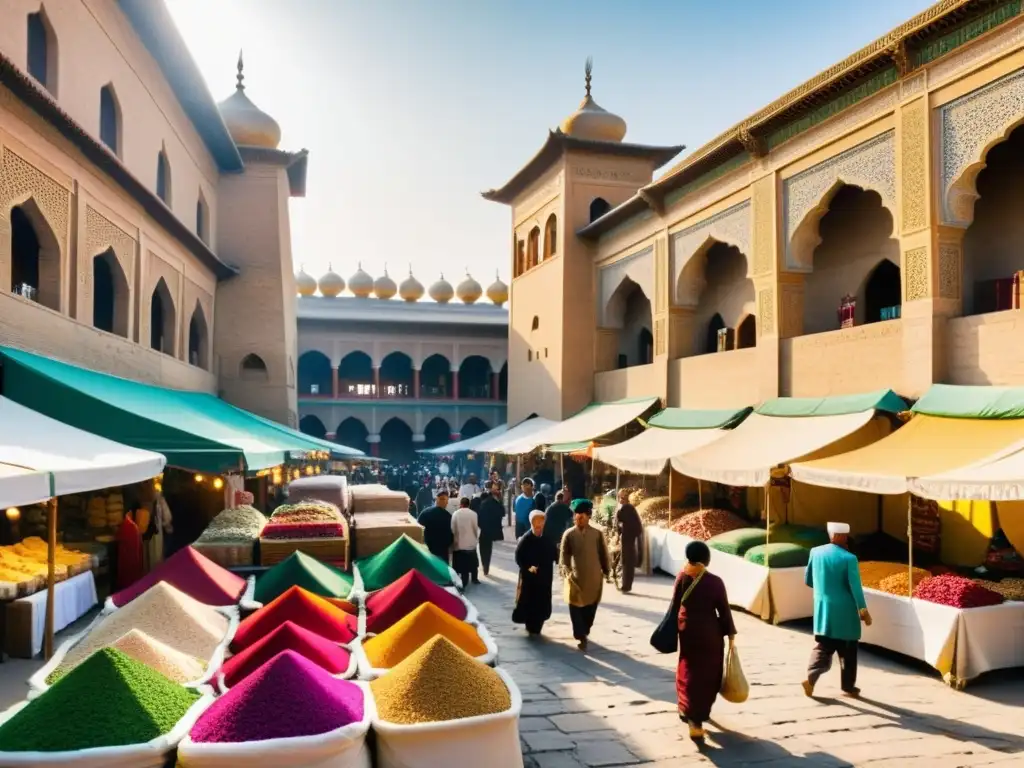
584	563
437	526
630	530
839	608
465	536
523	506
557	518
491	518
535	556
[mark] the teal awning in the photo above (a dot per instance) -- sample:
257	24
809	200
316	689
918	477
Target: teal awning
686	418
972	402
193	430
337	450
882	400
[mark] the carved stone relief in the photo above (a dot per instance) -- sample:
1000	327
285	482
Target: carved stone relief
971	125
659	337
805	196
915	271
949	270
639	268
914	84
913	155
764	230
660	276
766	312
732	226
102	234
20	180
791	309
995	42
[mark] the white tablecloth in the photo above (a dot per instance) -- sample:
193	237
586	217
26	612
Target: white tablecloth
73	598
791	598
989	638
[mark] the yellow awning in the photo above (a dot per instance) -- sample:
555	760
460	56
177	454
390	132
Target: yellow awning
926	445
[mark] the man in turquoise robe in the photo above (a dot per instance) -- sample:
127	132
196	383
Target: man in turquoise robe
839	608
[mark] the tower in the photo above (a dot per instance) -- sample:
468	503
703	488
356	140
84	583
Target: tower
255	331
583	171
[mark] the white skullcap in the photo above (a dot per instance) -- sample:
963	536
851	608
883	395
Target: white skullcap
535	513
837	528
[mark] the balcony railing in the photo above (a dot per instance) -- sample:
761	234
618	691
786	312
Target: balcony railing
395	391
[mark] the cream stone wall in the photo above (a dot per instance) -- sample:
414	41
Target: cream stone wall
722	380
97	46
636	381
842	362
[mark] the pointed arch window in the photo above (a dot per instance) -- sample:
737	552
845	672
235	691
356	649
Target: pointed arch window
41	61
202	219
551	236
110	119
163	177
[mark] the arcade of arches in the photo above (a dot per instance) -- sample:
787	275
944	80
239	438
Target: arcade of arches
396	377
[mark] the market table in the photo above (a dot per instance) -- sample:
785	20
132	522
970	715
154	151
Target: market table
26	617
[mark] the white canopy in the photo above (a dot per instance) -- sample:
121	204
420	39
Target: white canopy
518	439
745	455
41	457
647	453
999	480
469	444
592	422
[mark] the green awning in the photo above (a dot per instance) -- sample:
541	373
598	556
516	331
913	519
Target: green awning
569	447
193	430
686	418
882	400
337	450
972	402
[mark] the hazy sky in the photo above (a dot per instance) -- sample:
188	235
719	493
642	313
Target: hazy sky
410	108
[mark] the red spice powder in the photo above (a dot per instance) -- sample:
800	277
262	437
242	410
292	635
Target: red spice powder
389	605
287	637
303	608
194	574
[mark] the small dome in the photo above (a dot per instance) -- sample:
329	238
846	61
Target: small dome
442	291
248	125
469	290
384	286
591	122
331	283
411	289
497	291
361	284
305	284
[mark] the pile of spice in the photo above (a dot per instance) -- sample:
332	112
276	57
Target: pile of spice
1011	589
899	583
655	510
308	511
172	664
292	530
287	637
304	609
387	606
194	574
956	591
110	700
872	572
235	525
439	682
165	614
400	557
301	570
286	697
400	641
706	523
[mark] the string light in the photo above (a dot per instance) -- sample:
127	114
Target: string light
199	478
13	513
218	484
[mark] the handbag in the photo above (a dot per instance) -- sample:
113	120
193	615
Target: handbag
665	638
735	687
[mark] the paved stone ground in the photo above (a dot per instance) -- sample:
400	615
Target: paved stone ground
616	705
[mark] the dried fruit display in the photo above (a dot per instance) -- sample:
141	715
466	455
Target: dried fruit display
705	523
956	591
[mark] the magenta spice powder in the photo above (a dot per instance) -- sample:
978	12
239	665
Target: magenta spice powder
288	696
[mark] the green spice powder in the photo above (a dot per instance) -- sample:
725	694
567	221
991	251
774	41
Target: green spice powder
109	700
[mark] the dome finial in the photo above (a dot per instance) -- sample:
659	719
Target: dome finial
588	70
240	77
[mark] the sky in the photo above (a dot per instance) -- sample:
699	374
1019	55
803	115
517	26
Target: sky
411	108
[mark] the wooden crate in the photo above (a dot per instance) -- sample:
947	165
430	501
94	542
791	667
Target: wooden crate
334	551
375	531
228	555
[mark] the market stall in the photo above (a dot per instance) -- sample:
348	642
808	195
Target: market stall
954	431
52	459
592	422
469	444
515	440
776	433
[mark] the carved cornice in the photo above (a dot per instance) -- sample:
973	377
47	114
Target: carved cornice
754	144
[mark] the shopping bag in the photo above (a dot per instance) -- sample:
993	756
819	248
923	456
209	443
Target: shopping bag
734	683
665	638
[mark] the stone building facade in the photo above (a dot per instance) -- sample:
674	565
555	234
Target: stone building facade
127	240
382	371
861	232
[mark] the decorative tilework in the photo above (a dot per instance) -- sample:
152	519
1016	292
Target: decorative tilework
871	165
913	154
764	230
915	271
766	312
949	271
639	268
20	180
731	226
659	337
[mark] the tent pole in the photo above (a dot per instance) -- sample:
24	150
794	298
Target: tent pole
51	549
561	471
670	494
910	545
700	495
616	479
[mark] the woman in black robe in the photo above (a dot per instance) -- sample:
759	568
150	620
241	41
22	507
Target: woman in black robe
535	556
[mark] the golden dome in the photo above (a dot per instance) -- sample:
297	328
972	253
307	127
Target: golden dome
248	125
442	291
497	291
361	284
331	283
411	289
469	290
305	284
384	286
591	122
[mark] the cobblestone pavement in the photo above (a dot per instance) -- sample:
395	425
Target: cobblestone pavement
616	705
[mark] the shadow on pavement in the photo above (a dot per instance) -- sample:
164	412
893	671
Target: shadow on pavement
726	748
